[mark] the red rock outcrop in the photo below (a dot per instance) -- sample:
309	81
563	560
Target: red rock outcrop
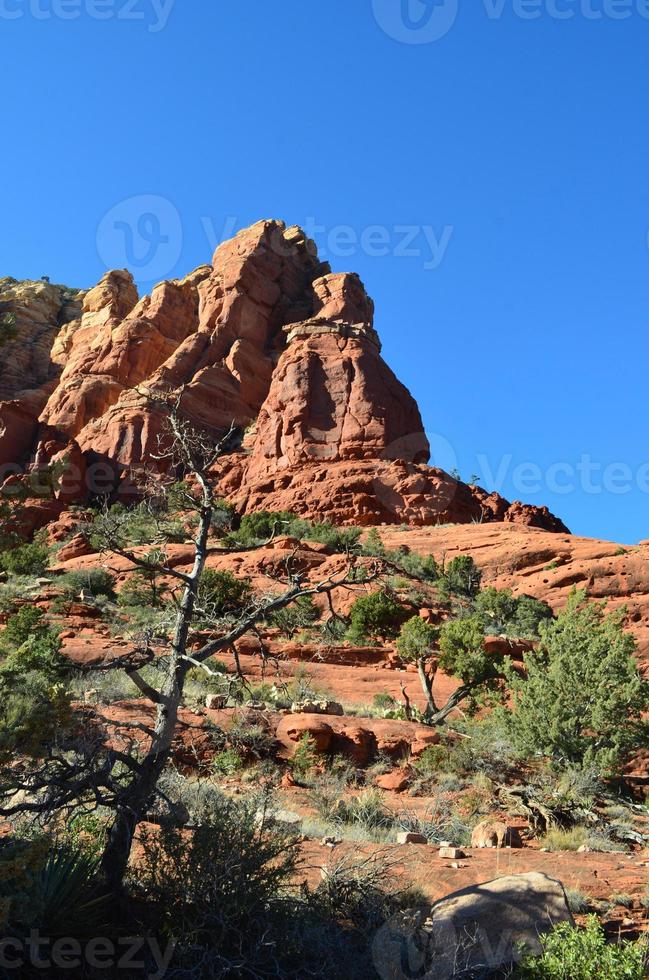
34	312
266	337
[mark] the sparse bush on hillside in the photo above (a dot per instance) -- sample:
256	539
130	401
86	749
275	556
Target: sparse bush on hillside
222	593
145	586
301	615
95	581
377	615
582	698
26	559
570	953
34	698
510	615
460	579
263	525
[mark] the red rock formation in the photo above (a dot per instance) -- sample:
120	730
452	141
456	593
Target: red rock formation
265	333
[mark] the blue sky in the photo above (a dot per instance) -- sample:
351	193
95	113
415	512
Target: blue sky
483	164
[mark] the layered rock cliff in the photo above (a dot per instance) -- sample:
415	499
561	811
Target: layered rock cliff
266	337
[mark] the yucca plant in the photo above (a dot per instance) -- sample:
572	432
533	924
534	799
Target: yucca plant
57	891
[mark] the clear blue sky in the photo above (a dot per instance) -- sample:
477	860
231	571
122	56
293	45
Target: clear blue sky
518	146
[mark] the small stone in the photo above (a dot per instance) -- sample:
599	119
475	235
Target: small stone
406	838
451	853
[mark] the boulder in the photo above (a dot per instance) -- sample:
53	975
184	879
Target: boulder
474	931
396	781
409	838
495	833
451	853
360	740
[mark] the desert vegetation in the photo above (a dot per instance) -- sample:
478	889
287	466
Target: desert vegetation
175	789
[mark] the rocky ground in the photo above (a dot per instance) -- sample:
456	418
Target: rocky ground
525	559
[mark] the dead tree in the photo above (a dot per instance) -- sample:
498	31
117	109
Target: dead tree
126	781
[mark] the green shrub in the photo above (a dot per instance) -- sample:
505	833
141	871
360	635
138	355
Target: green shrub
515	616
96	581
384	701
255	528
377	615
228	762
460	578
26	559
582	698
417	639
305	757
300	615
584	954
222	593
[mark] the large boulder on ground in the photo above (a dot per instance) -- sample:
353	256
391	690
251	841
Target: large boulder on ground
472	932
358	739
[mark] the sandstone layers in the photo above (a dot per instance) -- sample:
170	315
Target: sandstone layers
266	337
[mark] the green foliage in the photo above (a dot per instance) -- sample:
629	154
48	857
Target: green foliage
417	639
8	328
305	757
218	887
34	701
96	581
26	559
460	579
56	890
582	698
509	615
463	654
584	954
373	544
336	539
222	593
228	762
300	615
261	526
424	568
377	615
144	587
142	524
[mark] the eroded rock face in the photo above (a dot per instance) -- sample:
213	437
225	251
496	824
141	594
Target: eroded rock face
265	337
31	316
